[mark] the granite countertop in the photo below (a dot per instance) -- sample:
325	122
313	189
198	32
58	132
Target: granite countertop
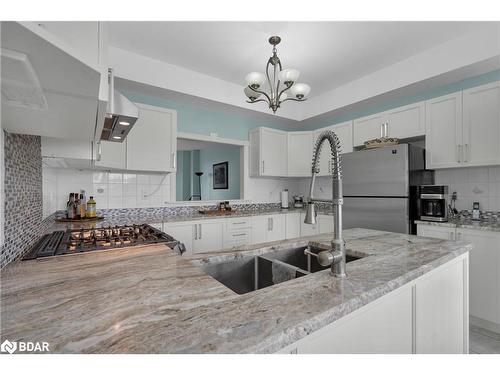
165	218
493	226
151	300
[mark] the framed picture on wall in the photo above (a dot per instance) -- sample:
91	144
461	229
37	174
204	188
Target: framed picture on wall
220	171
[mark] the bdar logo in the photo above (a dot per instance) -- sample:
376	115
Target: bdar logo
8	346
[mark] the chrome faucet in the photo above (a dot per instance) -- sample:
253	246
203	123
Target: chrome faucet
336	256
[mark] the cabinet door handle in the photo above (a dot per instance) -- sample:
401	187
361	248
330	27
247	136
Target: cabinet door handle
268	223
466	153
382	130
99	151
200	230
239	235
196	231
263	166
459	153
173	159
386	129
272	224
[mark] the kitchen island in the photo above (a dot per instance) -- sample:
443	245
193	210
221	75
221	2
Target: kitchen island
152	300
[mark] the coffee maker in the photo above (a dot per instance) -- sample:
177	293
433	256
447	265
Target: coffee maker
433	203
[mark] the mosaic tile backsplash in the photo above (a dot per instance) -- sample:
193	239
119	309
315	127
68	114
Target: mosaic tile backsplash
23	195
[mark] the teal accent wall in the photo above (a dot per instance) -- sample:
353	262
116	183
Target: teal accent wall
322	121
203	120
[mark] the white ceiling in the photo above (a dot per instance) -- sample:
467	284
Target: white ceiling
328	54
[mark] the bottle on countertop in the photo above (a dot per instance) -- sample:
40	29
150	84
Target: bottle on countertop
70	207
77	206
82	207
91	207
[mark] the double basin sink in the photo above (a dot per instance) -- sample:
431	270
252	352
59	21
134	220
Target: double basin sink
254	272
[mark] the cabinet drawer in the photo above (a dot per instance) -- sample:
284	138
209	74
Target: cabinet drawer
237	238
238	223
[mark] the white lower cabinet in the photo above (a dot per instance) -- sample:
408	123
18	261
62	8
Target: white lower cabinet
199	236
307	229
441	310
267	228
484	277
183	232
484	262
237	232
427	315
157	226
324	224
209	236
292	225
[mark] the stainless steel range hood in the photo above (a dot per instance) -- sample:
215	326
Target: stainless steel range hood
121	114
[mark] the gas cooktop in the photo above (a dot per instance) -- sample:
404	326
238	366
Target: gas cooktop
74	241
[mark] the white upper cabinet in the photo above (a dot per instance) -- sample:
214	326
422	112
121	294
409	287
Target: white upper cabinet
481	125
443	129
344	133
299	153
71	93
152	142
111	155
463	128
268	152
402	122
369	127
407	121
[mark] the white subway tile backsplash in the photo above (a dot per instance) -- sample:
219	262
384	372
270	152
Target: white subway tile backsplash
473	185
110	190
113	202
129	190
477	174
129	178
115	190
115	178
494	174
143	179
100	177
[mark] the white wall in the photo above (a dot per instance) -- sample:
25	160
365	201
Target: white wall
268	190
473	185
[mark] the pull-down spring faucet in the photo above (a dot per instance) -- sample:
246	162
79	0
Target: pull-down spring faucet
336	256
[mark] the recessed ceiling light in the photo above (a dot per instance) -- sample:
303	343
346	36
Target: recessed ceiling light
124	123
116	137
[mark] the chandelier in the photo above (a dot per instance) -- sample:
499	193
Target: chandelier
282	83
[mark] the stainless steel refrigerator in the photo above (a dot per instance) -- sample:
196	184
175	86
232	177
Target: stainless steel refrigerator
380	187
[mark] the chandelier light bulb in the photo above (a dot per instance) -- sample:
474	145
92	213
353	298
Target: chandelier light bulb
300	90
252	95
288	76
255	79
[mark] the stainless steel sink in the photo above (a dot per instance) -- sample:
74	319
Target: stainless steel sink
251	273
296	257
